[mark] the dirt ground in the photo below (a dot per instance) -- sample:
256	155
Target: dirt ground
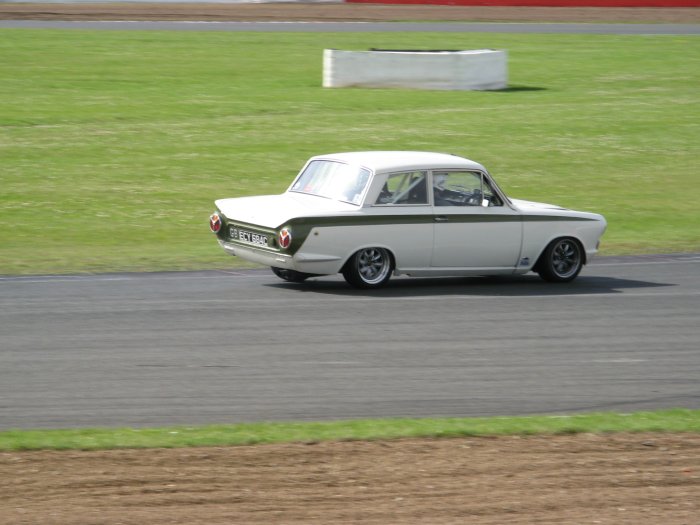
341	12
613	479
577	479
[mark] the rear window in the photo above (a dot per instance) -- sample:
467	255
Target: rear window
333	180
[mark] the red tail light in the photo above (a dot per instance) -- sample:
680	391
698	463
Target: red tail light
285	238
215	222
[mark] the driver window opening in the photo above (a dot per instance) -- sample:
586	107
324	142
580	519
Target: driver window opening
463	188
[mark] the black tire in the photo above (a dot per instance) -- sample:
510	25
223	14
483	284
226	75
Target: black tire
561	261
291	276
369	268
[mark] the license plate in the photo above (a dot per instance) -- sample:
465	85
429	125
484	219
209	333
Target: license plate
248	237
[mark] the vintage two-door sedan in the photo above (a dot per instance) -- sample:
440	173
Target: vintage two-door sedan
372	214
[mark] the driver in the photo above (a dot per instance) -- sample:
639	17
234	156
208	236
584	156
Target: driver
440	193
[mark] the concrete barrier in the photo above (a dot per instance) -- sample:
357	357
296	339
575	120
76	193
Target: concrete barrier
481	69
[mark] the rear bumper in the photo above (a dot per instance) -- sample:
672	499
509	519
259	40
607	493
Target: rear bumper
301	262
258	255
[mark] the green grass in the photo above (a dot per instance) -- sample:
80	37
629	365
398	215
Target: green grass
676	420
113	145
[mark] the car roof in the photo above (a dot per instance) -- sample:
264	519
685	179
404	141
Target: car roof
386	161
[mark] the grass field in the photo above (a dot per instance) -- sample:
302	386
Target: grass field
113	145
678	420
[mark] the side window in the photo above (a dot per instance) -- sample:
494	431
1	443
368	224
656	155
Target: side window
491	198
462	188
404	188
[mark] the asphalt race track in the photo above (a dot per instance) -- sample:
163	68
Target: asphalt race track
205	347
365	27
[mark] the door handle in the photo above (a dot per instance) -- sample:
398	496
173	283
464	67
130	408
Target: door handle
441	218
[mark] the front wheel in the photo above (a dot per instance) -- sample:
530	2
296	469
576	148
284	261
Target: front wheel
368	268
561	261
291	276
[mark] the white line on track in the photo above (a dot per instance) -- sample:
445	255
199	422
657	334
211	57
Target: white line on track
103	278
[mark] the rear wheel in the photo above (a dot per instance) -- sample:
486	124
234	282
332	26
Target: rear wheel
368	268
291	276
561	261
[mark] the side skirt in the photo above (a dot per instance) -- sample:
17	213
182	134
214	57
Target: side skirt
446	272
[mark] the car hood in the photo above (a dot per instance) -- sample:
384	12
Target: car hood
272	211
538	208
534	206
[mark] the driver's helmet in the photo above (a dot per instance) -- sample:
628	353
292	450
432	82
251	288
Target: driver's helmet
439	181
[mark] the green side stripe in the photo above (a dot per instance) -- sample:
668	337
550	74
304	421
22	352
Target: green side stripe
554	218
370	220
302	226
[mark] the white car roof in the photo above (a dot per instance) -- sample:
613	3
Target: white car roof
388	161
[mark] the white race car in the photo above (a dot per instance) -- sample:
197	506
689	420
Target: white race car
372	214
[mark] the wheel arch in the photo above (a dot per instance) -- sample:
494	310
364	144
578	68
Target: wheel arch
582	248
349	256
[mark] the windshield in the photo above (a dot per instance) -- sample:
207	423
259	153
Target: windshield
333	180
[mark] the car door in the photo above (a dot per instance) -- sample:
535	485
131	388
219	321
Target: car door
402	221
473	225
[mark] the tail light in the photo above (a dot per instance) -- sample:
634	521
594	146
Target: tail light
285	238
215	222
